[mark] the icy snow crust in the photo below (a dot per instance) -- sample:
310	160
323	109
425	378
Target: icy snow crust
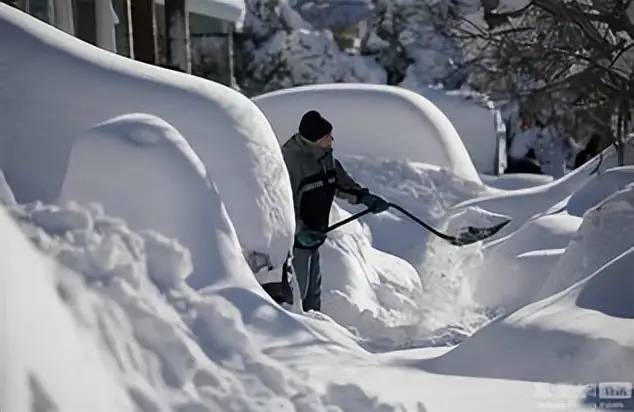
55	87
548	301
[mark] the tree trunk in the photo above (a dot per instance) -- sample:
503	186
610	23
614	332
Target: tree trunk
178	48
144	31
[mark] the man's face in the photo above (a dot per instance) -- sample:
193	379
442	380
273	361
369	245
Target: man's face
326	141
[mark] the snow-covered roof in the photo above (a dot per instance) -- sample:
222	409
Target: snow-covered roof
230	10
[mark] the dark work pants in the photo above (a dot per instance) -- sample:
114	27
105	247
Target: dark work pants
306	266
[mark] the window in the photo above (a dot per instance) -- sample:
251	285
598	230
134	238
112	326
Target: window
41	9
122	29
85	20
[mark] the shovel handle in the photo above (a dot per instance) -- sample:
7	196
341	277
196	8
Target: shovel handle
347	220
451	239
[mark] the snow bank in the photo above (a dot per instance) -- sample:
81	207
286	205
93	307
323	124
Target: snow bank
523	204
50	359
142	170
44	110
373	120
604	234
515	181
512	270
580	335
370	292
385	301
118	334
599	188
578	328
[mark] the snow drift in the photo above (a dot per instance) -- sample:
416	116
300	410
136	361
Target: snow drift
117	334
158	183
54	87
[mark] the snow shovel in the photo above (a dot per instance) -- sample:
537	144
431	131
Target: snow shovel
469	235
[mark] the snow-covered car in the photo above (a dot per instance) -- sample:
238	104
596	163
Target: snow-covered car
431	126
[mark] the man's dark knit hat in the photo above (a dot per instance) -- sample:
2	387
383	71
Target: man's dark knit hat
313	126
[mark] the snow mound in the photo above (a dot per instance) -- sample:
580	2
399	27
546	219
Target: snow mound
511	270
394	123
580	335
368	291
142	170
578	328
515	181
604	234
230	135
523	204
599	188
386	302
125	338
426	191
45	349
611	290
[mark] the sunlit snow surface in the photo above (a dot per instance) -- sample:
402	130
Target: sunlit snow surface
97	313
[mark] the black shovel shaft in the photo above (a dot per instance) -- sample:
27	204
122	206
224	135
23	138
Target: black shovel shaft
423	224
347	220
397	207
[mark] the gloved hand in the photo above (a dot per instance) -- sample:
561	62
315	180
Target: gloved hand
375	203
310	238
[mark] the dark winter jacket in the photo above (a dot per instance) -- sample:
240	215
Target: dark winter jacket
316	178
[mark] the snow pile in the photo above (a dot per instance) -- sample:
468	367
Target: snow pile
228	133
158	183
582	333
603	235
373	120
597	189
511	270
129	334
423	297
523	204
372	293
515	181
581	330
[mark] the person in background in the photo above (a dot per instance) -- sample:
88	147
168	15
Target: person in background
590	151
316	178
521	155
552	150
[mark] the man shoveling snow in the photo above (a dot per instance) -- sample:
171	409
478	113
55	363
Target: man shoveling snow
316	178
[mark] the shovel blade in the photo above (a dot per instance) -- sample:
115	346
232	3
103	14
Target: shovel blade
476	234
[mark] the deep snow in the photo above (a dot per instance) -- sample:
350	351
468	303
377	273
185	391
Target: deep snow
51	108
97	313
